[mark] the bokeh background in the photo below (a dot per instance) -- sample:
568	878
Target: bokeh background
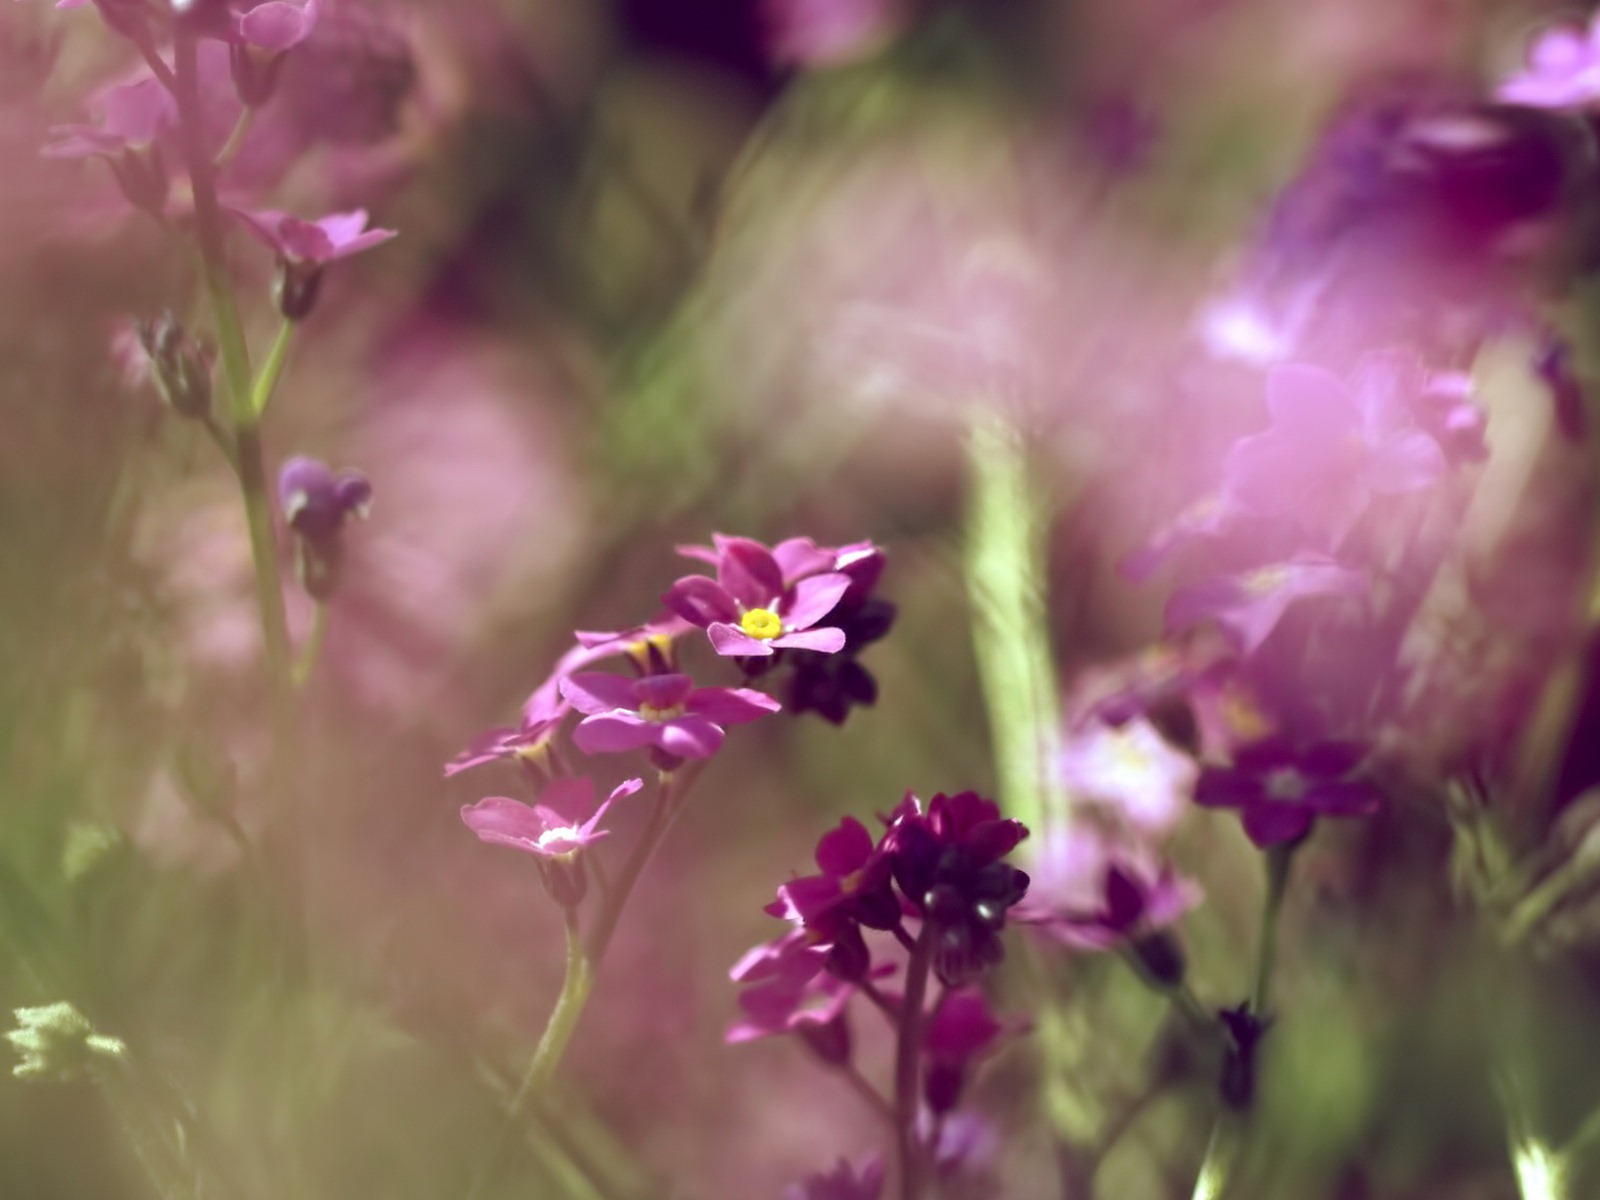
659	274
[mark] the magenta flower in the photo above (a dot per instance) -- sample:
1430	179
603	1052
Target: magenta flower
1249	605
664	712
564	822
1329	450
759	604
854	889
1280	790
947	864
1138	896
844	1182
1562	71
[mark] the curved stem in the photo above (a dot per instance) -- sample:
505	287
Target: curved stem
908	1057
1279	859
267	380
863	1088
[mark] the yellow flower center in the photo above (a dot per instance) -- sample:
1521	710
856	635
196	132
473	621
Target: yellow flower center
651	713
761	623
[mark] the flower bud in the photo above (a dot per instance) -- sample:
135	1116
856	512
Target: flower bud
829	1040
180	366
142	176
296	288
565	878
1160	958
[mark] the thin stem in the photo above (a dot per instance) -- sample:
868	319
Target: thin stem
552	1045
908	1057
1279	859
582	963
312	650
1217	1164
267	380
1010	629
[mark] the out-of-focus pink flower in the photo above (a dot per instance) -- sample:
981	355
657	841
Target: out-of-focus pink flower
960	1031
666	712
1562	70
1249	605
132	116
277	25
1328	451
844	1182
830	33
335	236
1130	771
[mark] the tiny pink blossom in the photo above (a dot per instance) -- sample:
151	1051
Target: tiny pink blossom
553	828
1562	71
336	236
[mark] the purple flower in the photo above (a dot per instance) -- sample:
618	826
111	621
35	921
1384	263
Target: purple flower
1092	894
852	890
1249	605
844	1182
1280	790
336	236
563	823
316	503
665	712
1330	448
947	864
758	603
1562	71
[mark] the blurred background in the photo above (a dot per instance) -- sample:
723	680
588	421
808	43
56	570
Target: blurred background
668	267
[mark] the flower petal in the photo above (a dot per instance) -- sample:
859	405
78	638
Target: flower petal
812	599
689	736
613	733
701	601
595	692
732	706
827	640
732	642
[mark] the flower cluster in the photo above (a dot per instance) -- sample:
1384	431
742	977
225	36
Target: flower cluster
658	708
937	882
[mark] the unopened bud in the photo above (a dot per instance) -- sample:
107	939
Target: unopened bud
296	288
829	1040
180	366
142	176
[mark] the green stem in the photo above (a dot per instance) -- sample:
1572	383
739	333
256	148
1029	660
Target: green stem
250	466
582	963
907	1059
1005	554
312	650
267	380
236	137
1217	1165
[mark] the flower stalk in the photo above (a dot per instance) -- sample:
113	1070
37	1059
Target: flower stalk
908	1052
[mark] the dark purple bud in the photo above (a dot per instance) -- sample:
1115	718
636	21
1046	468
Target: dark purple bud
1245	1030
849	959
296	288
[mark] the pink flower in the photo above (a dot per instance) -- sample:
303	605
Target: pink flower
553	828
766	600
665	712
830	33
132	116
277	25
1249	605
1129	770
338	235
1563	70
